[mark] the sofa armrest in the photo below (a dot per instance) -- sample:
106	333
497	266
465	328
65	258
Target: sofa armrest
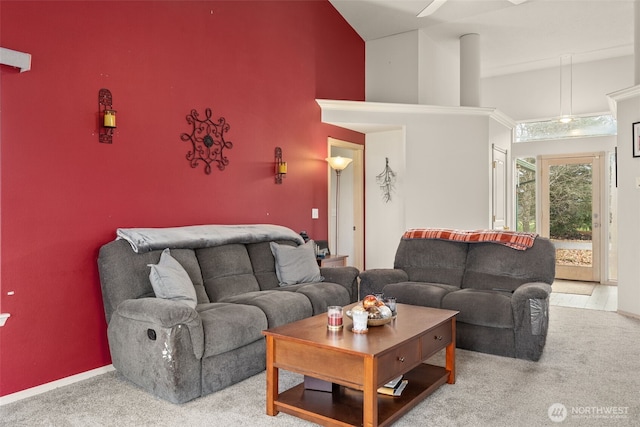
167	314
537	290
521	297
345	276
372	281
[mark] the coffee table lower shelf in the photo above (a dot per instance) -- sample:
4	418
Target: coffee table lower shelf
343	407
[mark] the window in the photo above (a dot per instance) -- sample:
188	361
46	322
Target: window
598	125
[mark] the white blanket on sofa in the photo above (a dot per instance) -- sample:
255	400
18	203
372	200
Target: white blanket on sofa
202	236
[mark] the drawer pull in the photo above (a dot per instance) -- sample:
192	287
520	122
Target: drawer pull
401	359
437	337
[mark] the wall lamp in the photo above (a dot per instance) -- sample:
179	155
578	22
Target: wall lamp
107	116
281	167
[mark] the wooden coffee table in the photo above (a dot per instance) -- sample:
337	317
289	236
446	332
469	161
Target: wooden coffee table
359	364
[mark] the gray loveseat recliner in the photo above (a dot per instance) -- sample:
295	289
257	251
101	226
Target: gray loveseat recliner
502	294
178	352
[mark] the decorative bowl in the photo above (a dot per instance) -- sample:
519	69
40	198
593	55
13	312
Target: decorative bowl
375	322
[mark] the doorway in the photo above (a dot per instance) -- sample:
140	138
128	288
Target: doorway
348	239
570	214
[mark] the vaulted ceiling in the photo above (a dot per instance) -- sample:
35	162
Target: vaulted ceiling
513	37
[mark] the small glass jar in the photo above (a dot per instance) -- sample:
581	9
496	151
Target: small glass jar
334	317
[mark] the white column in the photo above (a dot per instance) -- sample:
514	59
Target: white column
636	40
470	70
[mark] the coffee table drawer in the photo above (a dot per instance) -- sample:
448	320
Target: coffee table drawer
399	360
436	339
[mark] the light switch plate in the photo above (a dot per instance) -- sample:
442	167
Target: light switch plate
314	213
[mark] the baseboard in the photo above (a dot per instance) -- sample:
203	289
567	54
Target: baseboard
627	314
14	397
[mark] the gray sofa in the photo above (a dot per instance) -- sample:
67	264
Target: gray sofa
179	349
502	294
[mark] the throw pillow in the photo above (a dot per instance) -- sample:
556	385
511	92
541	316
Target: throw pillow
171	281
296	264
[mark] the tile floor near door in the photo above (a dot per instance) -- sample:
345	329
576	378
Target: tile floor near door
603	297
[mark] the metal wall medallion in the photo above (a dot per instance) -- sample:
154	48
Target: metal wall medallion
207	141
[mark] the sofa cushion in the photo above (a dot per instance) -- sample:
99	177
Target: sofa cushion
226	271
323	295
491	266
429	260
296	264
279	307
171	281
418	293
230	326
478	307
187	259
264	264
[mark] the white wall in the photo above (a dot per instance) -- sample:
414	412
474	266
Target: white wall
536	94
381	242
448	174
439	74
410	68
392	69
628	112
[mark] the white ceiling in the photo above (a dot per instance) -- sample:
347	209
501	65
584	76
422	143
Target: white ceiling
513	38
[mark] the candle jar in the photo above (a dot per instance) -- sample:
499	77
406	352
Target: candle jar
360	322
334	317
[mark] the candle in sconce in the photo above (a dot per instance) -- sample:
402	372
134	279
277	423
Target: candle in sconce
282	168
109	119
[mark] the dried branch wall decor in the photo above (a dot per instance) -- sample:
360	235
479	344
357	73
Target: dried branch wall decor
207	141
386	180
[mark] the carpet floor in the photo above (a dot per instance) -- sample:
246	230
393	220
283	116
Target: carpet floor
590	369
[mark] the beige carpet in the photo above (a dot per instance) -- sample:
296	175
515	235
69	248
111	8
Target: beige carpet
589	367
569	287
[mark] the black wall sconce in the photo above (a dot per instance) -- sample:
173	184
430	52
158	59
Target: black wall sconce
281	167
106	116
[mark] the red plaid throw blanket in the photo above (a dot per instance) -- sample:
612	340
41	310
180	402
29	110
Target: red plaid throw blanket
513	239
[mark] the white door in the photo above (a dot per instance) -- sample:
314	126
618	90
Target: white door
499	194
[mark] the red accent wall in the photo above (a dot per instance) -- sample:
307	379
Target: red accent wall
260	65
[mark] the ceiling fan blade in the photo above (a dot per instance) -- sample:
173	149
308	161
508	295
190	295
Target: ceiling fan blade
432	7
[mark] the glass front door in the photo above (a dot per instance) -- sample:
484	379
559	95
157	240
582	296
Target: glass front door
570	214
